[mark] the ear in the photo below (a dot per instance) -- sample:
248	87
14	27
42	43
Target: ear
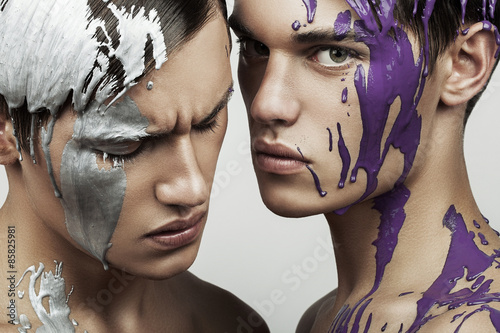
473	59
8	150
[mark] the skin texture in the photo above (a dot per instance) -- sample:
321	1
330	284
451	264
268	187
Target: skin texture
375	144
168	174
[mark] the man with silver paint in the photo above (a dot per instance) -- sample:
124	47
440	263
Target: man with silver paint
110	134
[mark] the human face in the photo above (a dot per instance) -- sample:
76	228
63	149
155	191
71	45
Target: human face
151	156
331	101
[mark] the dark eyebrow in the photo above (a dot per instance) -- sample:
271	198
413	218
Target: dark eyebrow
238	27
323	35
310	37
221	105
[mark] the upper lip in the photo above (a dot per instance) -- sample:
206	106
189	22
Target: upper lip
279	150
179	224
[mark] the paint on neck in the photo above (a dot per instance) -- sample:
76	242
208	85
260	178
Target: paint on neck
55	57
53	287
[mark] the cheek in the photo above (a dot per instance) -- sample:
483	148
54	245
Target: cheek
92	198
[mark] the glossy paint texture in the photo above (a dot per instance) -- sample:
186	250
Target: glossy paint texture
53	287
394	73
33	70
464	261
83	182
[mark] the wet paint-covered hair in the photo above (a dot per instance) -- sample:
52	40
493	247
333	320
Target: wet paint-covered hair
180	20
448	19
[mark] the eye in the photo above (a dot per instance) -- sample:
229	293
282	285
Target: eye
332	56
208	127
252	48
126	150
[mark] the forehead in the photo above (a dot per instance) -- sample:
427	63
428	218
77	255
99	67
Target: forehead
190	84
283	13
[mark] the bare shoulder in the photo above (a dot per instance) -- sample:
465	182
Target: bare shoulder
483	318
315	312
218	310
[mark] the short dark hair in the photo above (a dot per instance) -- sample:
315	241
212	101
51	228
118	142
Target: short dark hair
180	21
444	25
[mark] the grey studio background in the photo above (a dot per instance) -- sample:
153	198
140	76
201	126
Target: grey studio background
258	256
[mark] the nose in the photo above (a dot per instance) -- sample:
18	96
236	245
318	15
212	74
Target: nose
276	101
182	183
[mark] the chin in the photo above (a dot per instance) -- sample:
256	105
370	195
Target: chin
299	202
160	267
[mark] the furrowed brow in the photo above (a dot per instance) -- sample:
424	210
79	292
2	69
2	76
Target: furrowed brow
215	111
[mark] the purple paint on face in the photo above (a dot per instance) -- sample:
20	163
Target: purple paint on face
342	25
384	327
465	31
407	293
316	181
483	239
296	25
345	156
464	260
330	139
311	9
300	152
476	224
344	95
393	73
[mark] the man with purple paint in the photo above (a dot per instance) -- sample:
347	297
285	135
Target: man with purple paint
110	134
359	115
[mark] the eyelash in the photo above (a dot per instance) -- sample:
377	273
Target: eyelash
211	126
352	54
147	142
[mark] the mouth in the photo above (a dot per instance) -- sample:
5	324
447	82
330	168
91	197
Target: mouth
178	233
277	158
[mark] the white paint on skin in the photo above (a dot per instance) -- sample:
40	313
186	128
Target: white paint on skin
53	286
45	56
85	184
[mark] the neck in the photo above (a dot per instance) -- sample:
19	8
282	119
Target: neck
95	297
411	241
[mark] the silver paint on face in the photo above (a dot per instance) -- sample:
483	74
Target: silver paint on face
85	184
53	286
44	57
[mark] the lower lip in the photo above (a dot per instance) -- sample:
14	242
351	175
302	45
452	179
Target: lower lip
278	165
177	238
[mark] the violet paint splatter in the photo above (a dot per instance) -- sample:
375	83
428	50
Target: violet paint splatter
330	139
406	293
296	25
393	73
344	95
311	9
345	156
316	182
476	224
342	25
463	256
483	239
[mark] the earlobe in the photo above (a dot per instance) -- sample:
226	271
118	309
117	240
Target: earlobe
473	59
8	151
